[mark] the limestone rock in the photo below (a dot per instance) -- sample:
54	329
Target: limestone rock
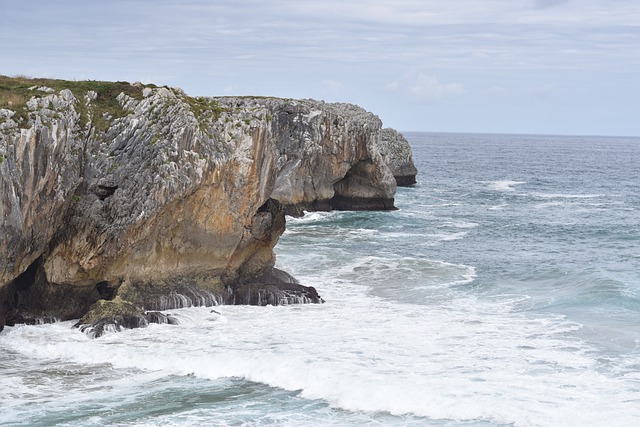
326	154
39	174
110	190
396	153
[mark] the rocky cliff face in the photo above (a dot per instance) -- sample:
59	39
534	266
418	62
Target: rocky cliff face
327	157
143	197
396	154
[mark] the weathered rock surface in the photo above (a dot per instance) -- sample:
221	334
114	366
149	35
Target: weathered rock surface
326	155
396	154
162	200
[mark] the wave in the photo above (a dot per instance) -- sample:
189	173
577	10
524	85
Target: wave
460	224
505	185
469	361
447	237
311	217
379	275
566	196
498	207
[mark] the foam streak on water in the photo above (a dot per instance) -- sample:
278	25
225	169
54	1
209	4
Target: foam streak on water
503	293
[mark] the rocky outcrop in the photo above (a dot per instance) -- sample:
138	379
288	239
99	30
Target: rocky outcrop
146	196
117	314
327	157
396	154
274	287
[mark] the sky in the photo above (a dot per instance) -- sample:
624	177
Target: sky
495	66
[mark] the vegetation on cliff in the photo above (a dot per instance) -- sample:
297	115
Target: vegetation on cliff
15	92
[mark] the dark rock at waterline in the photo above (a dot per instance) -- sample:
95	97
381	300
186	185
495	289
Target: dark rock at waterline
118	323
406	181
274	294
272	287
119	314
31	299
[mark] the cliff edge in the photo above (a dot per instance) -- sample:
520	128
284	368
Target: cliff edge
396	154
130	199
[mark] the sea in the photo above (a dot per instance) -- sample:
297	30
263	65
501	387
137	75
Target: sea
504	291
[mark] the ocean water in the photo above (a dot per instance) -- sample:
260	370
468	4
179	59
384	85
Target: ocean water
504	292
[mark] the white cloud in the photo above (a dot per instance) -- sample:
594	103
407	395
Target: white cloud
333	90
543	4
496	90
333	86
393	86
422	87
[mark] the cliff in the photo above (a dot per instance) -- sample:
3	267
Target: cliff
396	154
135	198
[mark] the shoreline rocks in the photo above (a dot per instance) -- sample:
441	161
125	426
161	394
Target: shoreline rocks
272	287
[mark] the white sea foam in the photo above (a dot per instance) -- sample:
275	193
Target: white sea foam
362	232
498	207
311	217
505	185
551	205
566	196
486	361
472	360
460	224
447	237
442	274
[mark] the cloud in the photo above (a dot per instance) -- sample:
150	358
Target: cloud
544	4
333	86
333	90
422	87
496	90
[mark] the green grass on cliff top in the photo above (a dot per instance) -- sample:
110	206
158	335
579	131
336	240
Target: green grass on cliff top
16	91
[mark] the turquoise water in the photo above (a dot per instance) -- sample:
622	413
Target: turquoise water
504	292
